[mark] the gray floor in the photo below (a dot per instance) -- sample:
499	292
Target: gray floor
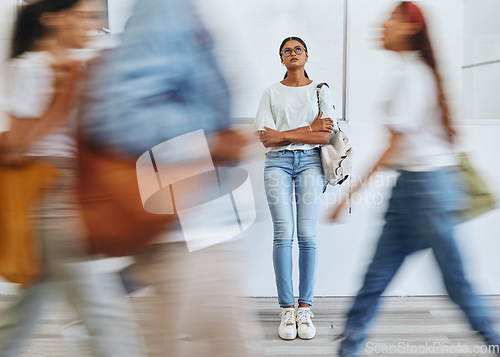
416	326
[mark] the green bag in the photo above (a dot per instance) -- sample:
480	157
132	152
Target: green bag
480	197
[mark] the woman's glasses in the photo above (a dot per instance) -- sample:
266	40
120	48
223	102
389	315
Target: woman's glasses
288	51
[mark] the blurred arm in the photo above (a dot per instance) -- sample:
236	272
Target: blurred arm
26	130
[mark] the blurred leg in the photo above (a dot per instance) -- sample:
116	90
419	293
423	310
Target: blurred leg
131	282
98	298
395	243
389	256
18	321
440	195
459	289
199	311
225	323
99	302
168	268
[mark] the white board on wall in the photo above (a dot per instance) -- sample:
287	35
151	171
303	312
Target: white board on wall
248	36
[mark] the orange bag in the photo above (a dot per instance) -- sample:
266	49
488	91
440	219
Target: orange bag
116	221
20	189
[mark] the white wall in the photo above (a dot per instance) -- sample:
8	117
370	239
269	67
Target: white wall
345	249
8	10
481	45
248	35
119	12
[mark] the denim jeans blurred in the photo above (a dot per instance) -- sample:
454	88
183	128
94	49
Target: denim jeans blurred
421	215
285	171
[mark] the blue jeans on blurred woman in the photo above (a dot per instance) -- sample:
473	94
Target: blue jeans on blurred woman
285	171
421	214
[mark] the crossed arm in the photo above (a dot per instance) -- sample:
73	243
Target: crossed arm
317	133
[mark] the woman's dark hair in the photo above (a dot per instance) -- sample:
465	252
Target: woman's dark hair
422	43
298	39
28	28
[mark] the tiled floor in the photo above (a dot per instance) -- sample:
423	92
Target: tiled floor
413	326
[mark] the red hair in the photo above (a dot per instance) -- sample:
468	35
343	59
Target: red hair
421	42
413	14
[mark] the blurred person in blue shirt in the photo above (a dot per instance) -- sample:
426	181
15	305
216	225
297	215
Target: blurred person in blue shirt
161	82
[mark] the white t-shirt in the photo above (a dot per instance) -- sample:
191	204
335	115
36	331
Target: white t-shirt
285	108
414	112
29	94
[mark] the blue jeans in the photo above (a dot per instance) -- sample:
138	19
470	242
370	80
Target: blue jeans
285	171
421	215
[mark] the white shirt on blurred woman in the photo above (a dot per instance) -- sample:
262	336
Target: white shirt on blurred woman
413	111
31	89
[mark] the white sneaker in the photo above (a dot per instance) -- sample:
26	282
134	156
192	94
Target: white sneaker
305	327
288	327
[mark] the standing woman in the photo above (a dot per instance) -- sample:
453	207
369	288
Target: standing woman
291	129
43	92
424	202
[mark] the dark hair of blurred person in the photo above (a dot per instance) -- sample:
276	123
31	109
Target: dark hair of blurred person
32	24
425	201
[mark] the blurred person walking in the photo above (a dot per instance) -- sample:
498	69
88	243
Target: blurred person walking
44	85
423	208
289	126
162	82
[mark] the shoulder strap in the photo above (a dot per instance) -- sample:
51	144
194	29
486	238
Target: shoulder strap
318	88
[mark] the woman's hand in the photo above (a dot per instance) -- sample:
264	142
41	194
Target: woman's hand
228	147
322	124
68	82
335	215
270	137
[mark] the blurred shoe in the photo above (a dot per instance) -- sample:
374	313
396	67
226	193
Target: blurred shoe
74	331
130	281
288	326
305	327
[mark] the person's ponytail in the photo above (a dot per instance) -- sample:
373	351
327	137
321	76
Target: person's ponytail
422	43
27	30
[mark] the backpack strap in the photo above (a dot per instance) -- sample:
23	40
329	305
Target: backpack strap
318	87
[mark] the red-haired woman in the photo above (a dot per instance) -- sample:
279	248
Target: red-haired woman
424	201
